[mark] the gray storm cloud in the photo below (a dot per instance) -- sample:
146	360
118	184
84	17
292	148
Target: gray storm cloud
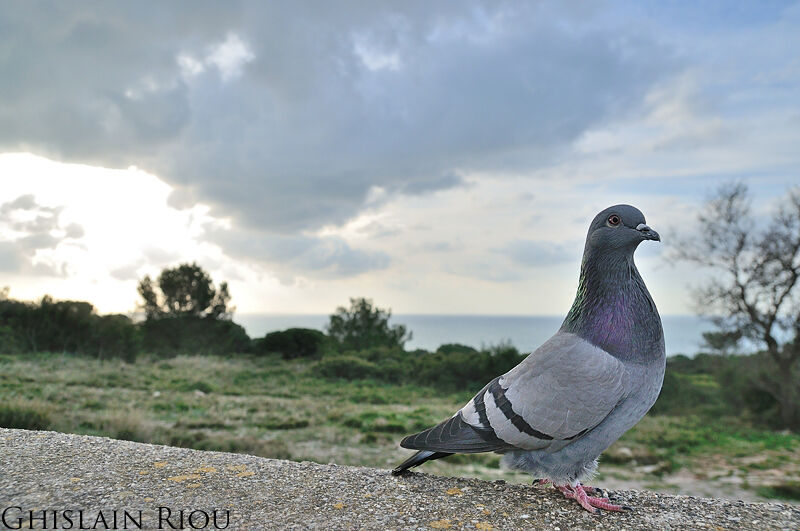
283	116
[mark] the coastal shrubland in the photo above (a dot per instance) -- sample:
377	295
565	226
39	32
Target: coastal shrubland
188	375
274	407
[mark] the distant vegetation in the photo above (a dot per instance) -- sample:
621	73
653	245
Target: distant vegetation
347	395
754	293
351	413
65	326
365	326
186	314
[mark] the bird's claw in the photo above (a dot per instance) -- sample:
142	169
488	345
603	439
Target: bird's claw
590	503
596	491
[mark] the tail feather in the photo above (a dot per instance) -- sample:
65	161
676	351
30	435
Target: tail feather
417	459
452	436
455	436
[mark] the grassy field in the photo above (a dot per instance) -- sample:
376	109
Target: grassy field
281	409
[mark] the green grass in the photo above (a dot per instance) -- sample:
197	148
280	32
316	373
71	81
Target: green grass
24	414
679	439
281	409
266	406
782	491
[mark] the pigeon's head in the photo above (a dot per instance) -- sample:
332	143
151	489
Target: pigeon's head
620	227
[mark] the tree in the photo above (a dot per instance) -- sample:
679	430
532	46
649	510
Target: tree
186	291
188	314
755	289
65	326
365	326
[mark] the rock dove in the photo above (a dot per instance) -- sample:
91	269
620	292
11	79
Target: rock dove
563	405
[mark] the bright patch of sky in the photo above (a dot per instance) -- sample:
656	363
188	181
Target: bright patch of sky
437	158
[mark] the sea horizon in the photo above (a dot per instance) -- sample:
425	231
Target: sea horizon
682	332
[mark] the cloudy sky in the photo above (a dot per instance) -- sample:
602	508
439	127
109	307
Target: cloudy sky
439	157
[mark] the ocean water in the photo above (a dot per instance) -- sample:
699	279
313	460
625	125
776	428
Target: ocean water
682	333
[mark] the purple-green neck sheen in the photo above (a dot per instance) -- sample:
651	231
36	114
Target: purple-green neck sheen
613	309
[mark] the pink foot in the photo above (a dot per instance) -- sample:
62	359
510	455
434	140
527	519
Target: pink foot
595	491
591	491
589	503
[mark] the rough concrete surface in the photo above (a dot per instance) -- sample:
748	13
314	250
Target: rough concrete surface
95	476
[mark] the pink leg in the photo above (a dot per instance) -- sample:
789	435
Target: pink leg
591	491
594	491
589	503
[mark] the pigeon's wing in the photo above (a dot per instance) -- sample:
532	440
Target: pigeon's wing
456	435
558	393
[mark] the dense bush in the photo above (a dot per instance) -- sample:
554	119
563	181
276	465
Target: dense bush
194	335
9	342
742	393
465	369
65	326
451	369
682	394
458	348
717	385
292	343
116	336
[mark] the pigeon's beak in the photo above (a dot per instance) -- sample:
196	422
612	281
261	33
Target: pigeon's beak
648	233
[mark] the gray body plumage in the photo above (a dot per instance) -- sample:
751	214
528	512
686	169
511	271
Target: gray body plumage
563	405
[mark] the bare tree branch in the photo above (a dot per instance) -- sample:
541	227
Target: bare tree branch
756	288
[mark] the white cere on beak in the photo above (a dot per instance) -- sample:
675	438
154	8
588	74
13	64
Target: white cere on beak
642	226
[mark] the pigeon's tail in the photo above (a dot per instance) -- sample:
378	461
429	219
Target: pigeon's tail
417	459
454	435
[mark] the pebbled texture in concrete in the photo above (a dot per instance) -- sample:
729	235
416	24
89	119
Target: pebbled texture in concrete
94	476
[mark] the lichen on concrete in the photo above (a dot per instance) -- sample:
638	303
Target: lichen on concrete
56	472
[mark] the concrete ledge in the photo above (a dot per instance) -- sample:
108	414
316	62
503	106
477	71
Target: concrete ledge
56	472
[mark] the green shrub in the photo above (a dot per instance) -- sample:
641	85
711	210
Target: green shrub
293	343
115	336
458	369
196	335
9	342
65	326
741	392
449	348
710	384
451	369
685	393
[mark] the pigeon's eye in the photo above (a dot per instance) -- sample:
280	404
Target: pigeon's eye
613	220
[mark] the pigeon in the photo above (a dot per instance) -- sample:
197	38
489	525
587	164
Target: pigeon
555	412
